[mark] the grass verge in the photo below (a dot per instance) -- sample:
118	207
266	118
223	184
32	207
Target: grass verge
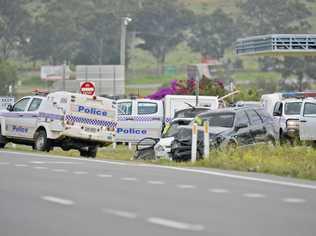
296	162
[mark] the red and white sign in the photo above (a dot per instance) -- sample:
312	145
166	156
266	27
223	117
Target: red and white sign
87	88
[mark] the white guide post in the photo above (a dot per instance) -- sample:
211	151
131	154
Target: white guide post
206	139
194	143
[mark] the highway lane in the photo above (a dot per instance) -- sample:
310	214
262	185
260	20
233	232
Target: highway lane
42	195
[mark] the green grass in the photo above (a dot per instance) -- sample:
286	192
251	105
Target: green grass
296	162
254	75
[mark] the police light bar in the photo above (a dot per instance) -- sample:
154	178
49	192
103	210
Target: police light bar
40	92
299	95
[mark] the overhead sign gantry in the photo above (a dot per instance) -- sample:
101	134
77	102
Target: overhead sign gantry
277	45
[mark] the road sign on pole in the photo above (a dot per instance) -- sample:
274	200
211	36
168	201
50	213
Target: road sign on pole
87	88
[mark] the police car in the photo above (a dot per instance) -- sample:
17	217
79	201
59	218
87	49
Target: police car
60	119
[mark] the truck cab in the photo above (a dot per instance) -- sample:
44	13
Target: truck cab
286	115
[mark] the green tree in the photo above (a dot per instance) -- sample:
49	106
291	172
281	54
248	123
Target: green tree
14	26
276	17
212	34
162	26
8	77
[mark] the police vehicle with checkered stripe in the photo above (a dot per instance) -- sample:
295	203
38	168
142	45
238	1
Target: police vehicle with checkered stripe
142	118
60	119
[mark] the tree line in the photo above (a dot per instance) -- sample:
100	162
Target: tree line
88	32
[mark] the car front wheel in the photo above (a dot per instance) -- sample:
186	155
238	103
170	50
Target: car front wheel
41	142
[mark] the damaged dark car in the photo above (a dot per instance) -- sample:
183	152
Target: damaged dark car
227	128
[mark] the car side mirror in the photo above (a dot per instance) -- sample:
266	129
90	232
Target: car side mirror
241	126
277	113
10	107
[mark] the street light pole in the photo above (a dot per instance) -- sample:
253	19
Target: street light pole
124	23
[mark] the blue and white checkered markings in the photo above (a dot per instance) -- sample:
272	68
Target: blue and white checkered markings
138	118
88	121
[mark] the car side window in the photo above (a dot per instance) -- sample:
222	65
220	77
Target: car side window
21	105
125	108
264	116
278	108
147	108
35	104
310	109
241	118
254	117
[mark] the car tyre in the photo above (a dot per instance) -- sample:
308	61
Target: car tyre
92	151
41	142
2	140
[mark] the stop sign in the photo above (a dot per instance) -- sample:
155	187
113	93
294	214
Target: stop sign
87	88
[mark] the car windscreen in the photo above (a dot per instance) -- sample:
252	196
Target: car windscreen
220	119
292	108
189	113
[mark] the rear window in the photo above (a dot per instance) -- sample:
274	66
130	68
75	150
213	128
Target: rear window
254	118
292	108
146	108
310	109
264	116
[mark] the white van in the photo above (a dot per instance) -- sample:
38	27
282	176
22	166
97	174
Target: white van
61	119
141	118
308	120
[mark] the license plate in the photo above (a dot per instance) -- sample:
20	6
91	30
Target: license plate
90	130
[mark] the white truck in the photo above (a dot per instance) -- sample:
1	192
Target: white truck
308	120
141	118
285	109
60	119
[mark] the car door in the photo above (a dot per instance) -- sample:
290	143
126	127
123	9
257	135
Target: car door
149	118
138	119
308	120
277	114
243	135
124	120
257	128
16	124
33	116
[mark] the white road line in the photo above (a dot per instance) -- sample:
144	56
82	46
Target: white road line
218	190
4	163
191	170
185	186
80	172
57	200
254	195
40	167
60	170
104	176
175	224
21	165
294	200
154	182
37	162
129	179
124	214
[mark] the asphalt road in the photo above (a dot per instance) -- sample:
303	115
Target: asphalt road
45	195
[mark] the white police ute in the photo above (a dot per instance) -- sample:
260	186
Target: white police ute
60	119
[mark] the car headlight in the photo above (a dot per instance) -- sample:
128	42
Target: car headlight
292	124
